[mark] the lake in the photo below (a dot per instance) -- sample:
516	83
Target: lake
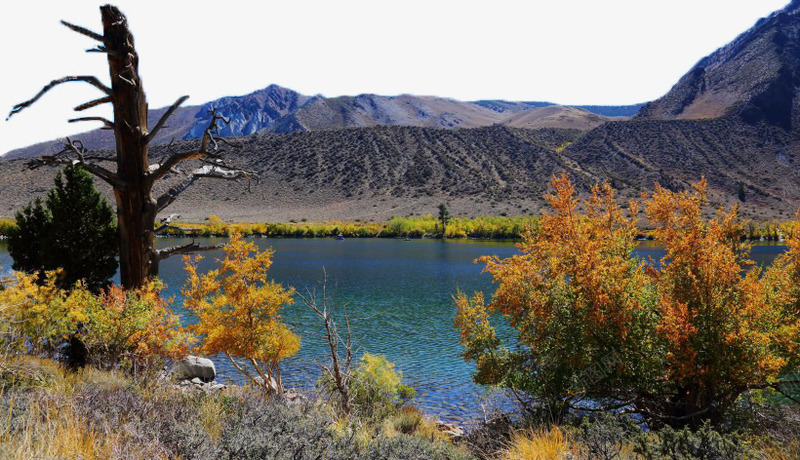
398	295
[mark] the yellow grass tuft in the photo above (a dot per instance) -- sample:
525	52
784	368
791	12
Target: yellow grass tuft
212	417
538	444
411	421
49	431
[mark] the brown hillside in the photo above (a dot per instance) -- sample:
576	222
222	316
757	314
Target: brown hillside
555	116
363	173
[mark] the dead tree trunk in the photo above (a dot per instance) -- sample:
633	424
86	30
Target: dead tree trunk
135	207
134	178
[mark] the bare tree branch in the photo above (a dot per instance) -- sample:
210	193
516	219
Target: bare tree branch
162	254
84	31
76	147
102	49
339	374
215	172
164	119
168	197
99	158
166	223
84	78
173	160
108	123
219	169
223	171
94	103
213	128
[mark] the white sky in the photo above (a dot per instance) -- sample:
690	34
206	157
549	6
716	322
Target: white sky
566	51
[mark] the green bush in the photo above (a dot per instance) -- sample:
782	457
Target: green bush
606	436
412	448
6	227
377	389
686	444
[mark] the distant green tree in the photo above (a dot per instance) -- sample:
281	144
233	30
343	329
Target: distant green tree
74	229
444	217
741	192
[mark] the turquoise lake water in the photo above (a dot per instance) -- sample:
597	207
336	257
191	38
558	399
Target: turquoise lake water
398	295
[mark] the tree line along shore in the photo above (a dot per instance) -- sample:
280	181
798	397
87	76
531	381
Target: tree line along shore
500	228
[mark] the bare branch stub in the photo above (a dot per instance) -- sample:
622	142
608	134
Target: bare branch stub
94	103
108	123
102	49
84	31
164	118
185	249
94	81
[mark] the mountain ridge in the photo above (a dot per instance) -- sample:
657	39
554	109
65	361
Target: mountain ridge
278	109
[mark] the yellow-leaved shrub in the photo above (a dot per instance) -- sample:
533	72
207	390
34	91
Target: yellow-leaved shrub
238	312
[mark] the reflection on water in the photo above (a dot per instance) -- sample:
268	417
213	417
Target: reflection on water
398	295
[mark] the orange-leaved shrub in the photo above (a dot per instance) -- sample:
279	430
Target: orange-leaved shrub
238	312
677	341
119	329
133	328
721	320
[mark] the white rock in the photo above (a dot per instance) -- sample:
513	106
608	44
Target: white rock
194	367
272	386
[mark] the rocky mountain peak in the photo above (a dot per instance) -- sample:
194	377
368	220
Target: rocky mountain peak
251	113
755	77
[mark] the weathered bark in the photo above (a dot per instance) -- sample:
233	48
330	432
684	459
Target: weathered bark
135	207
134	179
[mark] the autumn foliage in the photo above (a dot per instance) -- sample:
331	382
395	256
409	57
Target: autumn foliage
119	329
676	340
238	312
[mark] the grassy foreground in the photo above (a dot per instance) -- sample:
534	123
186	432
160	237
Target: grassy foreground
47	412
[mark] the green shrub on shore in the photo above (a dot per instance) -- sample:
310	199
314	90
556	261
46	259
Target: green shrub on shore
6	227
376	388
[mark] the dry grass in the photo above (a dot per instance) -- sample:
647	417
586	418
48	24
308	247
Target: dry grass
41	422
29	372
48	430
212	415
538	444
411	421
47	413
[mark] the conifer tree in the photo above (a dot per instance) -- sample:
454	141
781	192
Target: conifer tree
74	230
